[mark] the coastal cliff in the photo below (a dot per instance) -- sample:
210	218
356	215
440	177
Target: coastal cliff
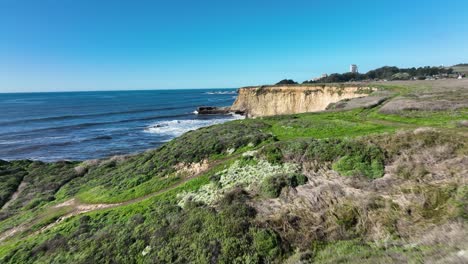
281	100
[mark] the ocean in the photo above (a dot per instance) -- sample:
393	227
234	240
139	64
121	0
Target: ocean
90	125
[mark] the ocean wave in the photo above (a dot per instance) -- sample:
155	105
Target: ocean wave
47	145
11	142
65	117
23	101
222	92
29	140
90	124
175	128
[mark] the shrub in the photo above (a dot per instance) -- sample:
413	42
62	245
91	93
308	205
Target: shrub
286	81
273	185
359	164
272	154
349	157
266	244
239	174
297	179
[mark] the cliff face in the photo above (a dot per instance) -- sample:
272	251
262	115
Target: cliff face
280	100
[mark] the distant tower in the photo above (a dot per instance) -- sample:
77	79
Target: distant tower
353	68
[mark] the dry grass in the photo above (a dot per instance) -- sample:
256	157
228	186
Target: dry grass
423	187
439	95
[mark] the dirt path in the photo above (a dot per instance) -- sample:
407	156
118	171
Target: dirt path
81	208
15	194
77	207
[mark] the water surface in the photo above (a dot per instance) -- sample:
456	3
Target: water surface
88	125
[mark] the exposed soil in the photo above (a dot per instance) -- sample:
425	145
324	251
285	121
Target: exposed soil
15	195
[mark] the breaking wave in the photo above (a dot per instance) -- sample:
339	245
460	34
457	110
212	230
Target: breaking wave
222	92
175	128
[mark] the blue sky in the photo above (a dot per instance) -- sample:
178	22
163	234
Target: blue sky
64	45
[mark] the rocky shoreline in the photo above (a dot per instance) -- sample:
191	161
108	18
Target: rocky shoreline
213	110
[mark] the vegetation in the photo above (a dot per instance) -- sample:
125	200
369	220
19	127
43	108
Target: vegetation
349	157
10	178
286	81
273	185
385	73
124	178
357	186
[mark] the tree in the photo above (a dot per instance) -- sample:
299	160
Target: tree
286	81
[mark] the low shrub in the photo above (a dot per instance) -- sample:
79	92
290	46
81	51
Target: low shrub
272	154
274	184
349	157
266	244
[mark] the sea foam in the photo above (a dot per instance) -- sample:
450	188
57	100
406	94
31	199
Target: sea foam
175	128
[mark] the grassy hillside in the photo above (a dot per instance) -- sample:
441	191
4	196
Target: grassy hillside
367	185
462	67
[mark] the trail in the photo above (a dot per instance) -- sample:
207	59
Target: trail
81	208
15	195
77	207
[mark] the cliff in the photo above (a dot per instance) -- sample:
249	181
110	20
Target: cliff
280	100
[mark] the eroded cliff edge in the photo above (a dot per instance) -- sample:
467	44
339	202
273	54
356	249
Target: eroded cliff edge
281	100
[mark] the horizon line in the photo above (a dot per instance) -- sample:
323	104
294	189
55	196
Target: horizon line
120	90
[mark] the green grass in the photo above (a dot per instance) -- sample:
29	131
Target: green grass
446	119
355	251
111	216
325	125
99	194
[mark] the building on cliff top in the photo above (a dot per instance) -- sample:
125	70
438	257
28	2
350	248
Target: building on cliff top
353	68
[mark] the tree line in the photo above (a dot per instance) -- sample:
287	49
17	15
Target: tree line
383	73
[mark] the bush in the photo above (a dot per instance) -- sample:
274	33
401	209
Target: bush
272	154
366	164
238	175
297	179
266	244
349	157
286	81
273	185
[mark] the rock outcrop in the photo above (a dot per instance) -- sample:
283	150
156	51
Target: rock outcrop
214	110
281	100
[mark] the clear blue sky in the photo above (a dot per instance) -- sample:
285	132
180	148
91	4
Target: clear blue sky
63	45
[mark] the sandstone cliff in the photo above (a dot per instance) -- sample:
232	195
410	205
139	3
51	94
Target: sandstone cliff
280	100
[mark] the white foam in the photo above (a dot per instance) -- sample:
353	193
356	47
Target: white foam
8	142
222	92
175	128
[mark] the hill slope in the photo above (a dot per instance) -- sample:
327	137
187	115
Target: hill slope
381	184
